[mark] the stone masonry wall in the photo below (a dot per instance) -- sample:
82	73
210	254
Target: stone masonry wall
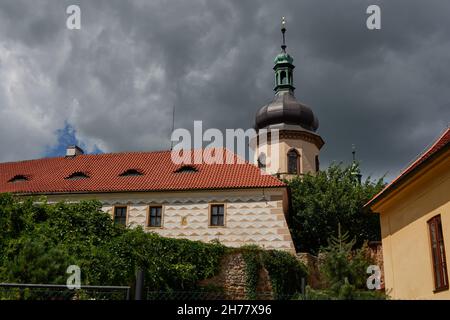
232	279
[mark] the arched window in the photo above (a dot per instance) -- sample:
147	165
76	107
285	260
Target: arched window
317	164
293	161
262	161
283	77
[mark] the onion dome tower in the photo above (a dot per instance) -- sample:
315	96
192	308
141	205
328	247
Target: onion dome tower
299	144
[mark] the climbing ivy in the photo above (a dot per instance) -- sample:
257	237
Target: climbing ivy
285	271
253	265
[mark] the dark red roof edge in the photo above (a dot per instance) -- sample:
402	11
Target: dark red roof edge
150	190
439	145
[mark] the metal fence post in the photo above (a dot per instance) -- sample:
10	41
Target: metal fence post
139	285
303	284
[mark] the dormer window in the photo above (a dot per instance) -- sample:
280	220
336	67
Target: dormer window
186	169
78	176
131	173
18	178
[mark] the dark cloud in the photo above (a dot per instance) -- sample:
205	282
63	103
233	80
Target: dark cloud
116	80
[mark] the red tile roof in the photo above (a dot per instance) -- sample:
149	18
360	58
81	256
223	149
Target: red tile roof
50	175
441	142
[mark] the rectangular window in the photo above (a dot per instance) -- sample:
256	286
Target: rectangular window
438	254
155	216
120	215
217	215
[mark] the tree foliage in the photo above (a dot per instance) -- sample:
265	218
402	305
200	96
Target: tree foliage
335	196
40	240
344	271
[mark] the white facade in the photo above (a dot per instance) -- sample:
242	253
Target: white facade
256	216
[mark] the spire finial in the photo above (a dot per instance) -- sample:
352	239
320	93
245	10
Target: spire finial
354	152
283	31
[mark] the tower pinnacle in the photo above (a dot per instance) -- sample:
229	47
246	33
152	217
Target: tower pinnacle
283	31
283	65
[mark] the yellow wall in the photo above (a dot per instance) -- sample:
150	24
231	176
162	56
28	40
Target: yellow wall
405	237
307	151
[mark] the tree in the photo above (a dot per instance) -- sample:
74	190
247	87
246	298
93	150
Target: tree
344	271
335	196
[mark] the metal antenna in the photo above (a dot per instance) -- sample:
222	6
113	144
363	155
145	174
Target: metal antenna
173	127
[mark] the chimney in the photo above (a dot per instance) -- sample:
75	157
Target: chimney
73	151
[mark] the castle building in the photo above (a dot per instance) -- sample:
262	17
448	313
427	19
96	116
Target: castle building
236	204
298	144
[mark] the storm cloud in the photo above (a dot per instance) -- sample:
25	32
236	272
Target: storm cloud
116	80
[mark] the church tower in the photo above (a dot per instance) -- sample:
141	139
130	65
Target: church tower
298	143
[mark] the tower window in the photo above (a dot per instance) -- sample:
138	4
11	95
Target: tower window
293	162
283	77
317	164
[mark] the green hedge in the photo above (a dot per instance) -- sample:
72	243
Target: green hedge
40	240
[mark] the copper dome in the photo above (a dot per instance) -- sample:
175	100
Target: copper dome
285	109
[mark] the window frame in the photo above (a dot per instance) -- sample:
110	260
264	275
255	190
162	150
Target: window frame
298	161
126	214
434	222
149	211
210	215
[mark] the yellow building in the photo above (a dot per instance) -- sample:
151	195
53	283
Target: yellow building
415	226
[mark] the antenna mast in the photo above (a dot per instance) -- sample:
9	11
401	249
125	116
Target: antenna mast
173	127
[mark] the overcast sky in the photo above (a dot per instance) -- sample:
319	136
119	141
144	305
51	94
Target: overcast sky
111	85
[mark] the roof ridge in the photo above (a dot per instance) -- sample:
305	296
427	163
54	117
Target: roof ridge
426	149
423	157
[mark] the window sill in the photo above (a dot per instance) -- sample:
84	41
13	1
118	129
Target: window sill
440	289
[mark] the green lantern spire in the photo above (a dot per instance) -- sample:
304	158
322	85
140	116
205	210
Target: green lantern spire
283	65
